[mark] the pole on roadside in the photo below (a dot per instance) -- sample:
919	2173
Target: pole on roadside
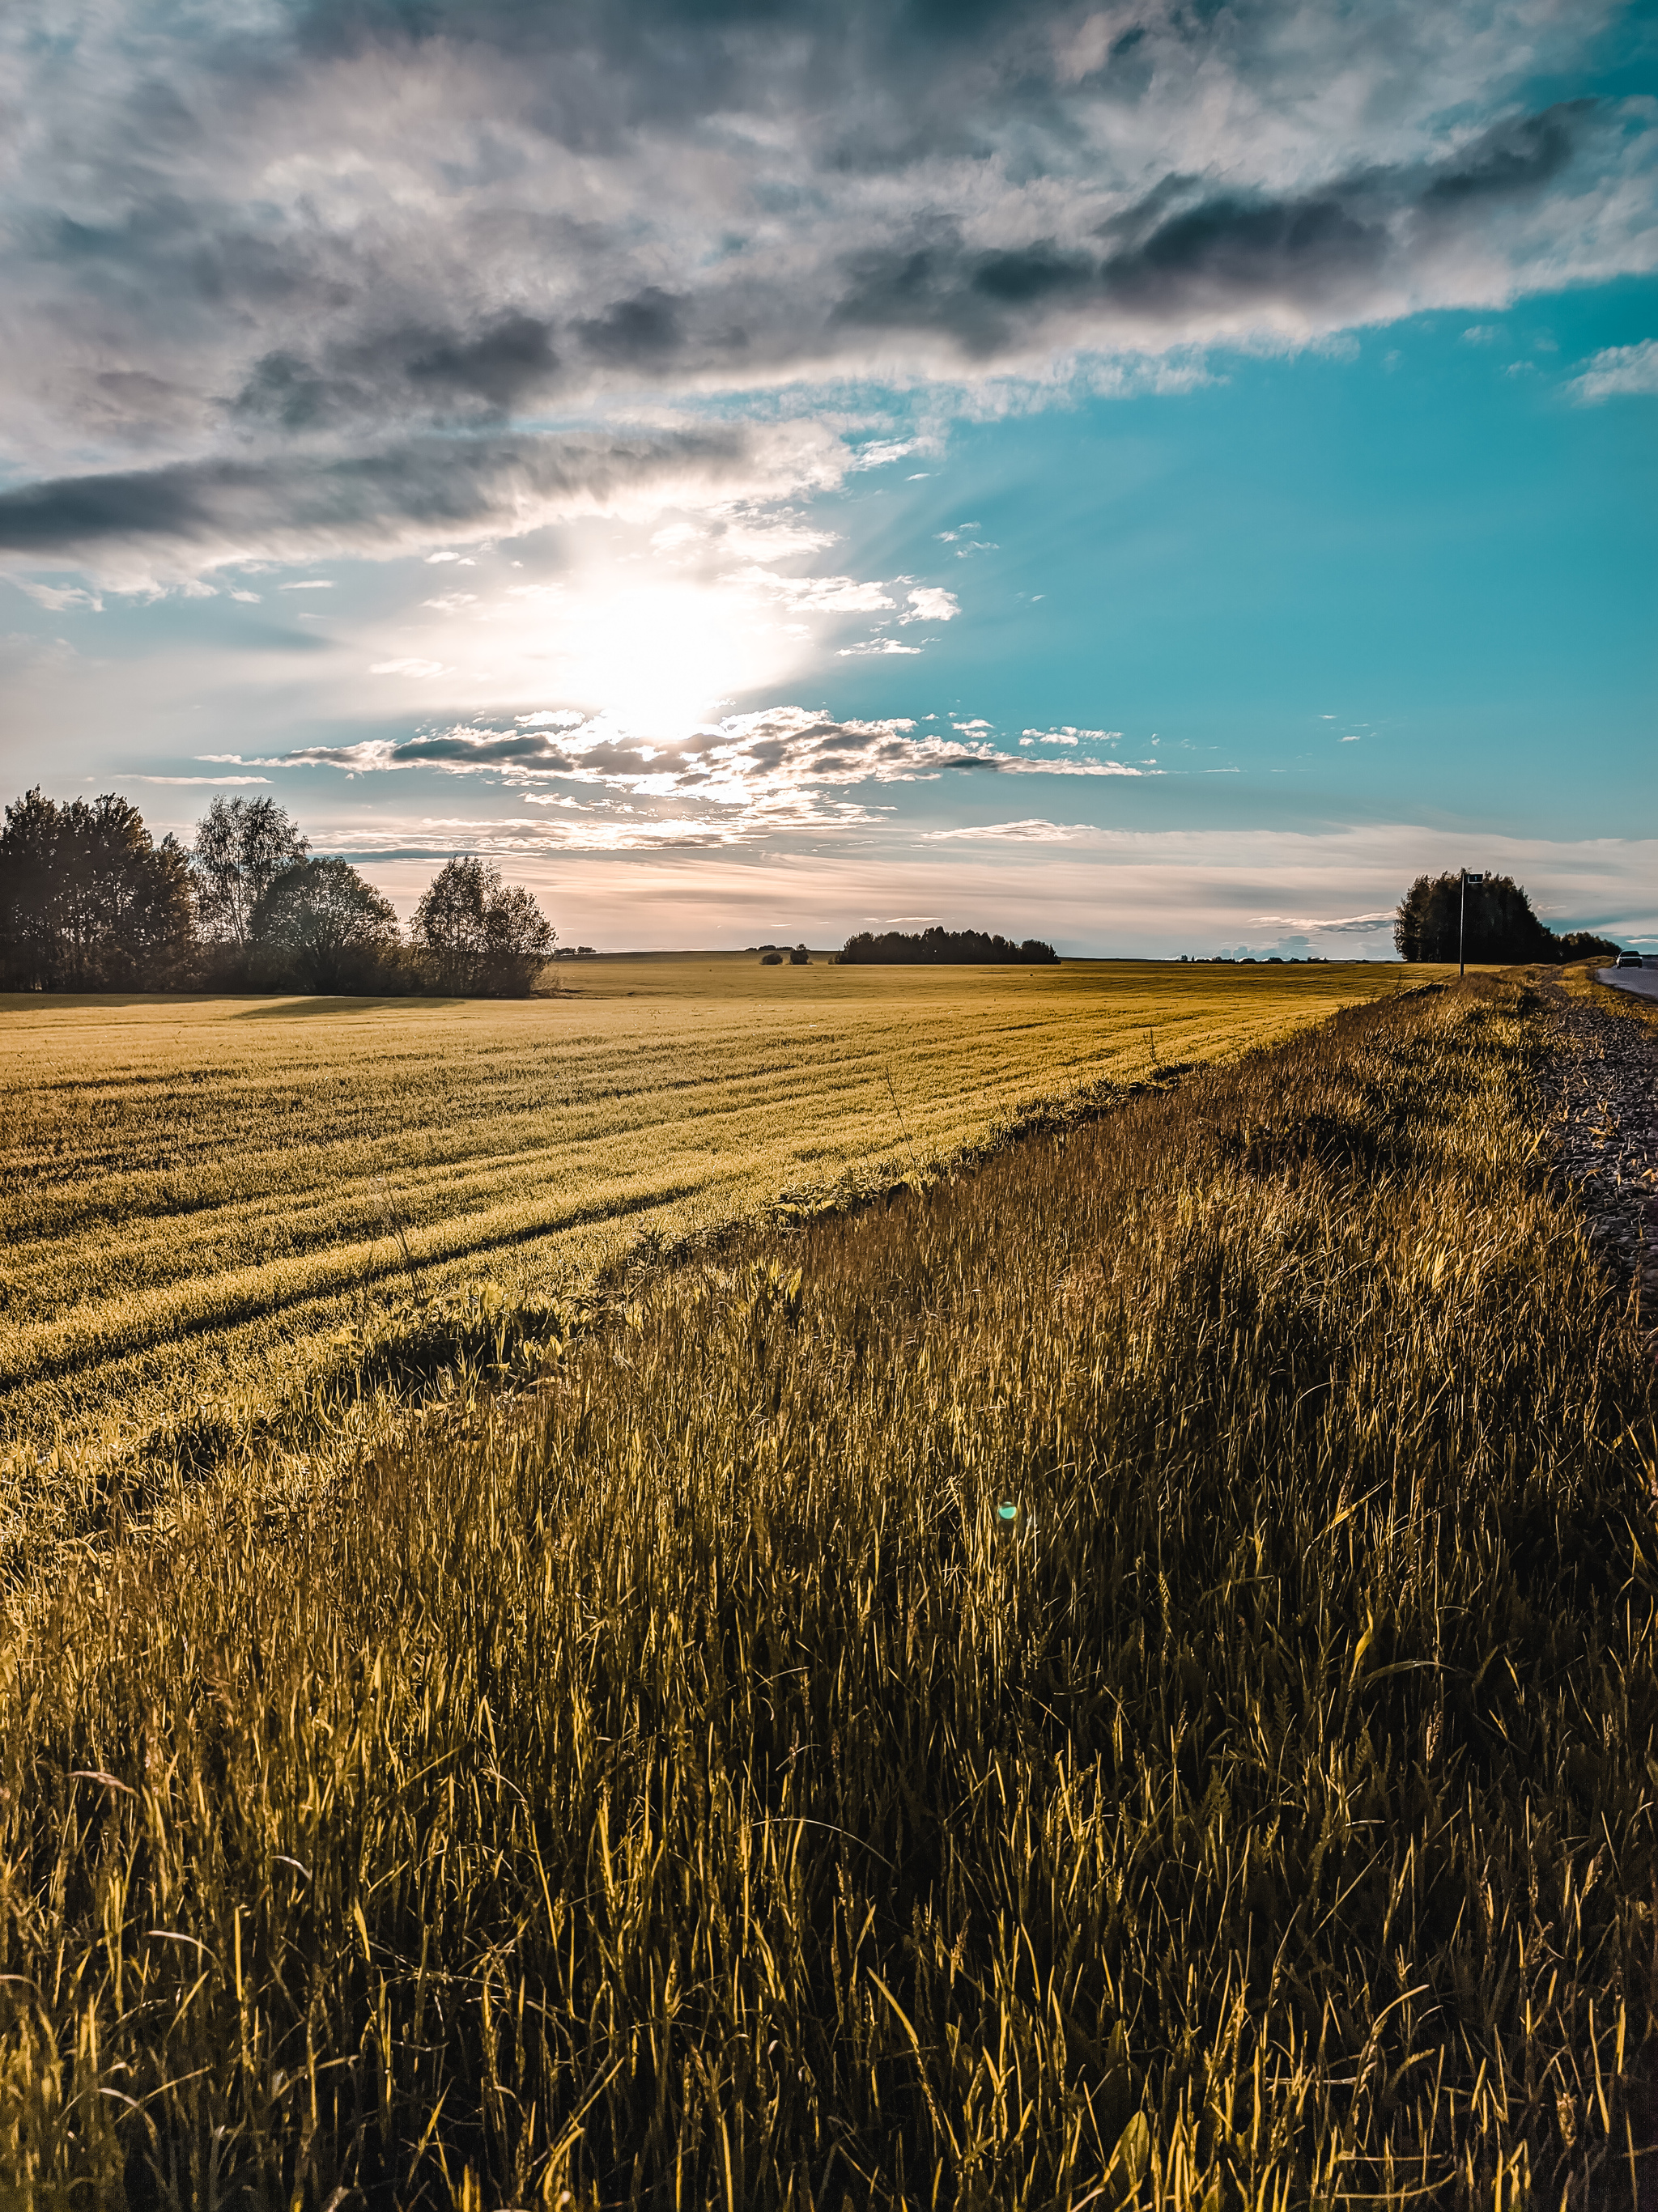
1462	918
1461	924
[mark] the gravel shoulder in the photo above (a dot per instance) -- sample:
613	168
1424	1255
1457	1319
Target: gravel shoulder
1605	1102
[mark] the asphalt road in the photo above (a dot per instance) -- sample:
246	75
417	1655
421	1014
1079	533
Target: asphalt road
1643	981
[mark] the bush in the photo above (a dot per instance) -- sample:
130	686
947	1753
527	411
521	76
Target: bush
771	959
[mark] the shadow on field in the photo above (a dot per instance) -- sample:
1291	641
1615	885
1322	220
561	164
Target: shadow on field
296	1010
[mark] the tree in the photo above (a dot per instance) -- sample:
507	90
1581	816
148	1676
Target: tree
332	931
28	932
1499	924
481	937
88	902
1584	944
243	845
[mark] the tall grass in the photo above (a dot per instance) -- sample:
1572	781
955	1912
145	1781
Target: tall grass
680	1786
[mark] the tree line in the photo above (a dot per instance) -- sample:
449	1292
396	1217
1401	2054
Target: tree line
89	902
941	947
1496	925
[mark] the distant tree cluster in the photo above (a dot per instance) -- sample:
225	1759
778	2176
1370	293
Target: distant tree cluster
1497	927
940	948
88	902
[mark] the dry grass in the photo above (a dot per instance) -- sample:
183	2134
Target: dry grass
195	1196
678	1786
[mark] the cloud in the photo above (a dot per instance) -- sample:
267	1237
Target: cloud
399	374
1353	925
819	595
1617	372
737	778
1030	832
216	782
301	279
928	603
1069	736
176	519
60	598
1186	261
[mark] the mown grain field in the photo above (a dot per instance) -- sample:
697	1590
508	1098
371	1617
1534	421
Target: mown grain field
196	1196
1125	1678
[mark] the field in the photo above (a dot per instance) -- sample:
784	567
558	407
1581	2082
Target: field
1127	1678
198	1196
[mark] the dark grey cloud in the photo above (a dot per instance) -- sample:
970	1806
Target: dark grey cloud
1519	155
418	492
1215	254
644	329
484	374
330	226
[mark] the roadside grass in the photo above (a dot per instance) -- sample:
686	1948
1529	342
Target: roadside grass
673	1782
204	1199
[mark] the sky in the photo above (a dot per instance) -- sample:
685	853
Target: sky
1156	478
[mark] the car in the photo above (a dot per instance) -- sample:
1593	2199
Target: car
1628	960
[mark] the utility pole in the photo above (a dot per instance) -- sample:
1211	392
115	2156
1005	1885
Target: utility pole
1462	918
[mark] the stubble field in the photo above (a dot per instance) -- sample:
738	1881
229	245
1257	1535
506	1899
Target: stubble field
197	1196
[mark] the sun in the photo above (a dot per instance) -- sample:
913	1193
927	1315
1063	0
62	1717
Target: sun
657	655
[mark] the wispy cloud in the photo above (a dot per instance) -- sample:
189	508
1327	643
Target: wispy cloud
1619	372
1351	925
59	599
1030	832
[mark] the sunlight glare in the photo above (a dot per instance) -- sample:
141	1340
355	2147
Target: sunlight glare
657	655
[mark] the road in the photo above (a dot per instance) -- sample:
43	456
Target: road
1642	981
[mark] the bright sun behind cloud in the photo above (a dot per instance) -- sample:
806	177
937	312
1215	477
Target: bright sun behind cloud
660	655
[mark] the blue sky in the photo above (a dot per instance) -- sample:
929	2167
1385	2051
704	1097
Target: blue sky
770	508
